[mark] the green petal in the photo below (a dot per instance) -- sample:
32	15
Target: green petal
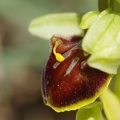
90	112
88	19
111	105
61	24
102	41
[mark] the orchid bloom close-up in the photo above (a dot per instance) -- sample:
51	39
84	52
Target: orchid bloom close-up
71	83
84	57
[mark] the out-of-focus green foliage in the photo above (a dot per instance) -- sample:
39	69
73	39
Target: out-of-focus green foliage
111	105
20	13
23	11
116	85
90	112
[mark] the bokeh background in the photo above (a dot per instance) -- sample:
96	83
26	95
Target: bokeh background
23	57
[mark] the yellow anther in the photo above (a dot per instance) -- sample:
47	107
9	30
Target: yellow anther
58	56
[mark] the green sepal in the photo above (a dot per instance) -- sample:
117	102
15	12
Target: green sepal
90	112
60	24
102	42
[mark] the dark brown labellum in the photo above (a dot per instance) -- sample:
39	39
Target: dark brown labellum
72	81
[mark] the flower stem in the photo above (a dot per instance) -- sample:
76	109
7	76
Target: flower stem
115	5
102	4
111	4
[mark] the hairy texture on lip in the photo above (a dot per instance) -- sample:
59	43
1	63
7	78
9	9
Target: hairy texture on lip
71	81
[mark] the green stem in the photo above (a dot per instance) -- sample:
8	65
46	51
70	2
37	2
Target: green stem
115	5
111	4
102	5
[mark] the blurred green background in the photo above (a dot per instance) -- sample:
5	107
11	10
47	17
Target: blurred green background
23	57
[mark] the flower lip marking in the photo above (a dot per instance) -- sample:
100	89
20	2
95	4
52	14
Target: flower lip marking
72	65
58	56
65	55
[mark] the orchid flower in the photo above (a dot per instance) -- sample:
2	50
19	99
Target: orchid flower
84	57
68	81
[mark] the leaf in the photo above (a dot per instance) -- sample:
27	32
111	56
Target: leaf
102	41
111	105
90	112
61	24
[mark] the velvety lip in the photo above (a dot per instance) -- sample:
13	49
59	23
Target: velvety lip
72	80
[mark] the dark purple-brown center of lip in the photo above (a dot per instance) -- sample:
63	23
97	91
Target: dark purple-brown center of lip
72	80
